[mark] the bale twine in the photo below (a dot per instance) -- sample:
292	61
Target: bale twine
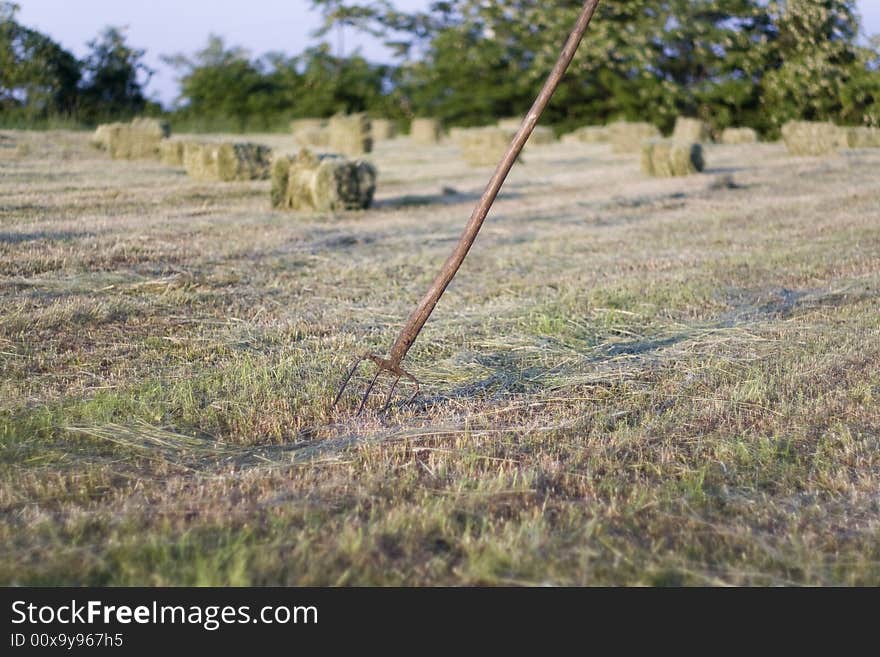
692	130
322	183
384	129
626	137
484	146
739	136
665	158
425	131
862	137
171	152
350	134
226	162
811	138
588	134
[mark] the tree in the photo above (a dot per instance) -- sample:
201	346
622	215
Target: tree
823	72
220	83
115	77
37	76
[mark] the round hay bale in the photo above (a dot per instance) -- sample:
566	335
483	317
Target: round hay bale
691	130
626	137
666	158
739	136
350	134
808	138
425	131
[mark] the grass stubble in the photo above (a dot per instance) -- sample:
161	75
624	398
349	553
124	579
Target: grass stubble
631	381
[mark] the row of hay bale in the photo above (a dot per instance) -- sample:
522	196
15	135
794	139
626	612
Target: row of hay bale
226	162
627	136
137	140
816	138
486	146
351	134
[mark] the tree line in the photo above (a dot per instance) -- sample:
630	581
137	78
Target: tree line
756	63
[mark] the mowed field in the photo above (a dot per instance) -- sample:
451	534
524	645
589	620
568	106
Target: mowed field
630	381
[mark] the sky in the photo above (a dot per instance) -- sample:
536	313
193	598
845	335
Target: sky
165	27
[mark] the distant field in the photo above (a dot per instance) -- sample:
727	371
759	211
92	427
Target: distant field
631	380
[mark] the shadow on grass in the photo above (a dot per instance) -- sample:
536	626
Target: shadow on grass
447	196
42	235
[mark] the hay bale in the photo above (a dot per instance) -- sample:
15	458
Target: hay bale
588	134
666	158
197	160
350	134
171	152
456	134
384	129
137	140
298	125
739	136
226	162
312	138
484	146
861	137
626	137
811	138
323	183
691	130
104	135
425	131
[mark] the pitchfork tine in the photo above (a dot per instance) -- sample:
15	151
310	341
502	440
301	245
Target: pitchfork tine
348	378
367	393
390	392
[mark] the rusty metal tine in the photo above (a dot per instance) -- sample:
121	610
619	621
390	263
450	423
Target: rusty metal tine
351	372
390	392
367	393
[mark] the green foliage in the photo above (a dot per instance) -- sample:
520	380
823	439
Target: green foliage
223	87
38	78
115	77
755	63
823	73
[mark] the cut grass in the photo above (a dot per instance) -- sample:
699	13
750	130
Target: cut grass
631	381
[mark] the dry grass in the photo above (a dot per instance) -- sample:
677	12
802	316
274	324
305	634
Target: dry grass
631	381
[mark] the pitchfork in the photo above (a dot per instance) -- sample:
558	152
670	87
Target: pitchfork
410	331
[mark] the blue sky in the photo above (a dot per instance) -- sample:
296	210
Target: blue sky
172	26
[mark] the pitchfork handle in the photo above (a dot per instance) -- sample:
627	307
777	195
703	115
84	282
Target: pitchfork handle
420	315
